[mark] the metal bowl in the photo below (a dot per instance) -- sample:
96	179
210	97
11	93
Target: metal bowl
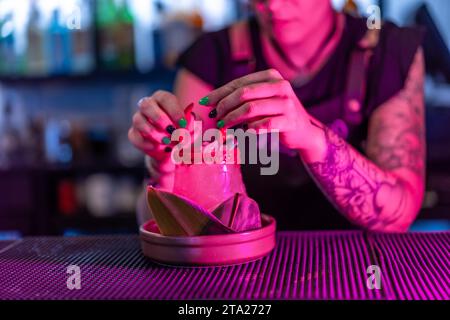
223	249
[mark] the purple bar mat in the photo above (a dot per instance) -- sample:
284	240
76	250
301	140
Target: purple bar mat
304	265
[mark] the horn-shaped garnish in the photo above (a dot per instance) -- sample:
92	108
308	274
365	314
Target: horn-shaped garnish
178	216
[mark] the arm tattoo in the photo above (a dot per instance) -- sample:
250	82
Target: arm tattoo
356	186
368	192
397	132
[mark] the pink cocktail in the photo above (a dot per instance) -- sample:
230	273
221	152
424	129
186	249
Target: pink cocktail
208	185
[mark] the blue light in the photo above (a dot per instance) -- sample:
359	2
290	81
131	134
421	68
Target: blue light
431	226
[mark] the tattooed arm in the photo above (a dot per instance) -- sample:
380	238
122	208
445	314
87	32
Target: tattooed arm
383	191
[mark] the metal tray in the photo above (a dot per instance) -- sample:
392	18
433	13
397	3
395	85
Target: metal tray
211	250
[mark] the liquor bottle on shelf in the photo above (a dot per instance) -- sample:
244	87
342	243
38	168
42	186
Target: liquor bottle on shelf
178	32
145	23
59	45
351	8
58	149
125	37
106	22
10	141
7	41
36	62
83	59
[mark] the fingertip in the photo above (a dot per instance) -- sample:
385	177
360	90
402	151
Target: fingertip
182	123
212	114
141	101
204	101
170	129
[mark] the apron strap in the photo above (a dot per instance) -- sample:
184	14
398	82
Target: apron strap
355	92
241	49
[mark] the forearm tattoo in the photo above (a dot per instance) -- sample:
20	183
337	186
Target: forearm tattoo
356	186
366	190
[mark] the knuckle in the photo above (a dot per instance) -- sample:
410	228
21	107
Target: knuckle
236	84
135	120
130	135
153	114
285	86
220	106
268	124
145	103
249	108
149	132
273	73
289	104
243	93
160	94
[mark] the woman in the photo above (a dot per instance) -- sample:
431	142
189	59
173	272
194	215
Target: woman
348	103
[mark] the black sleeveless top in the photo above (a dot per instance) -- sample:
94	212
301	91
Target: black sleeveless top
291	195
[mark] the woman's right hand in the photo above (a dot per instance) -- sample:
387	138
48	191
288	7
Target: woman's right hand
158	116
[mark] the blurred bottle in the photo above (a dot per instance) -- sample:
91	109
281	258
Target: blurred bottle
59	45
106	21
7	40
351	8
125	36
83	59
57	142
99	195
145	22
67	197
10	141
178	32
36	62
34	142
116	23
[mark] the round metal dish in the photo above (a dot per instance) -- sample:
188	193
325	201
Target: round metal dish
223	249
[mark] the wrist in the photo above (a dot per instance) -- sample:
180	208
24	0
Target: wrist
161	172
315	147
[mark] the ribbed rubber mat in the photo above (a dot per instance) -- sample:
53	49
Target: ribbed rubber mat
416	266
4	245
314	265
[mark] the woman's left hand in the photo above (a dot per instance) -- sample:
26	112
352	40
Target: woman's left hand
262	100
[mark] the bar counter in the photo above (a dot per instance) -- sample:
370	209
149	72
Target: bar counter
304	265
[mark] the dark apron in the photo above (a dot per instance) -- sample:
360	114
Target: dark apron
291	196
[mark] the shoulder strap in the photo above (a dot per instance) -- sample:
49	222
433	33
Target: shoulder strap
241	47
357	77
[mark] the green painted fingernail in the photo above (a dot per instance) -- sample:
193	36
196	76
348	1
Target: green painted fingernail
220	124
204	101
166	140
182	123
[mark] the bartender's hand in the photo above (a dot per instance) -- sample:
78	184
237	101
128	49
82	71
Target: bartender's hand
158	116
263	100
